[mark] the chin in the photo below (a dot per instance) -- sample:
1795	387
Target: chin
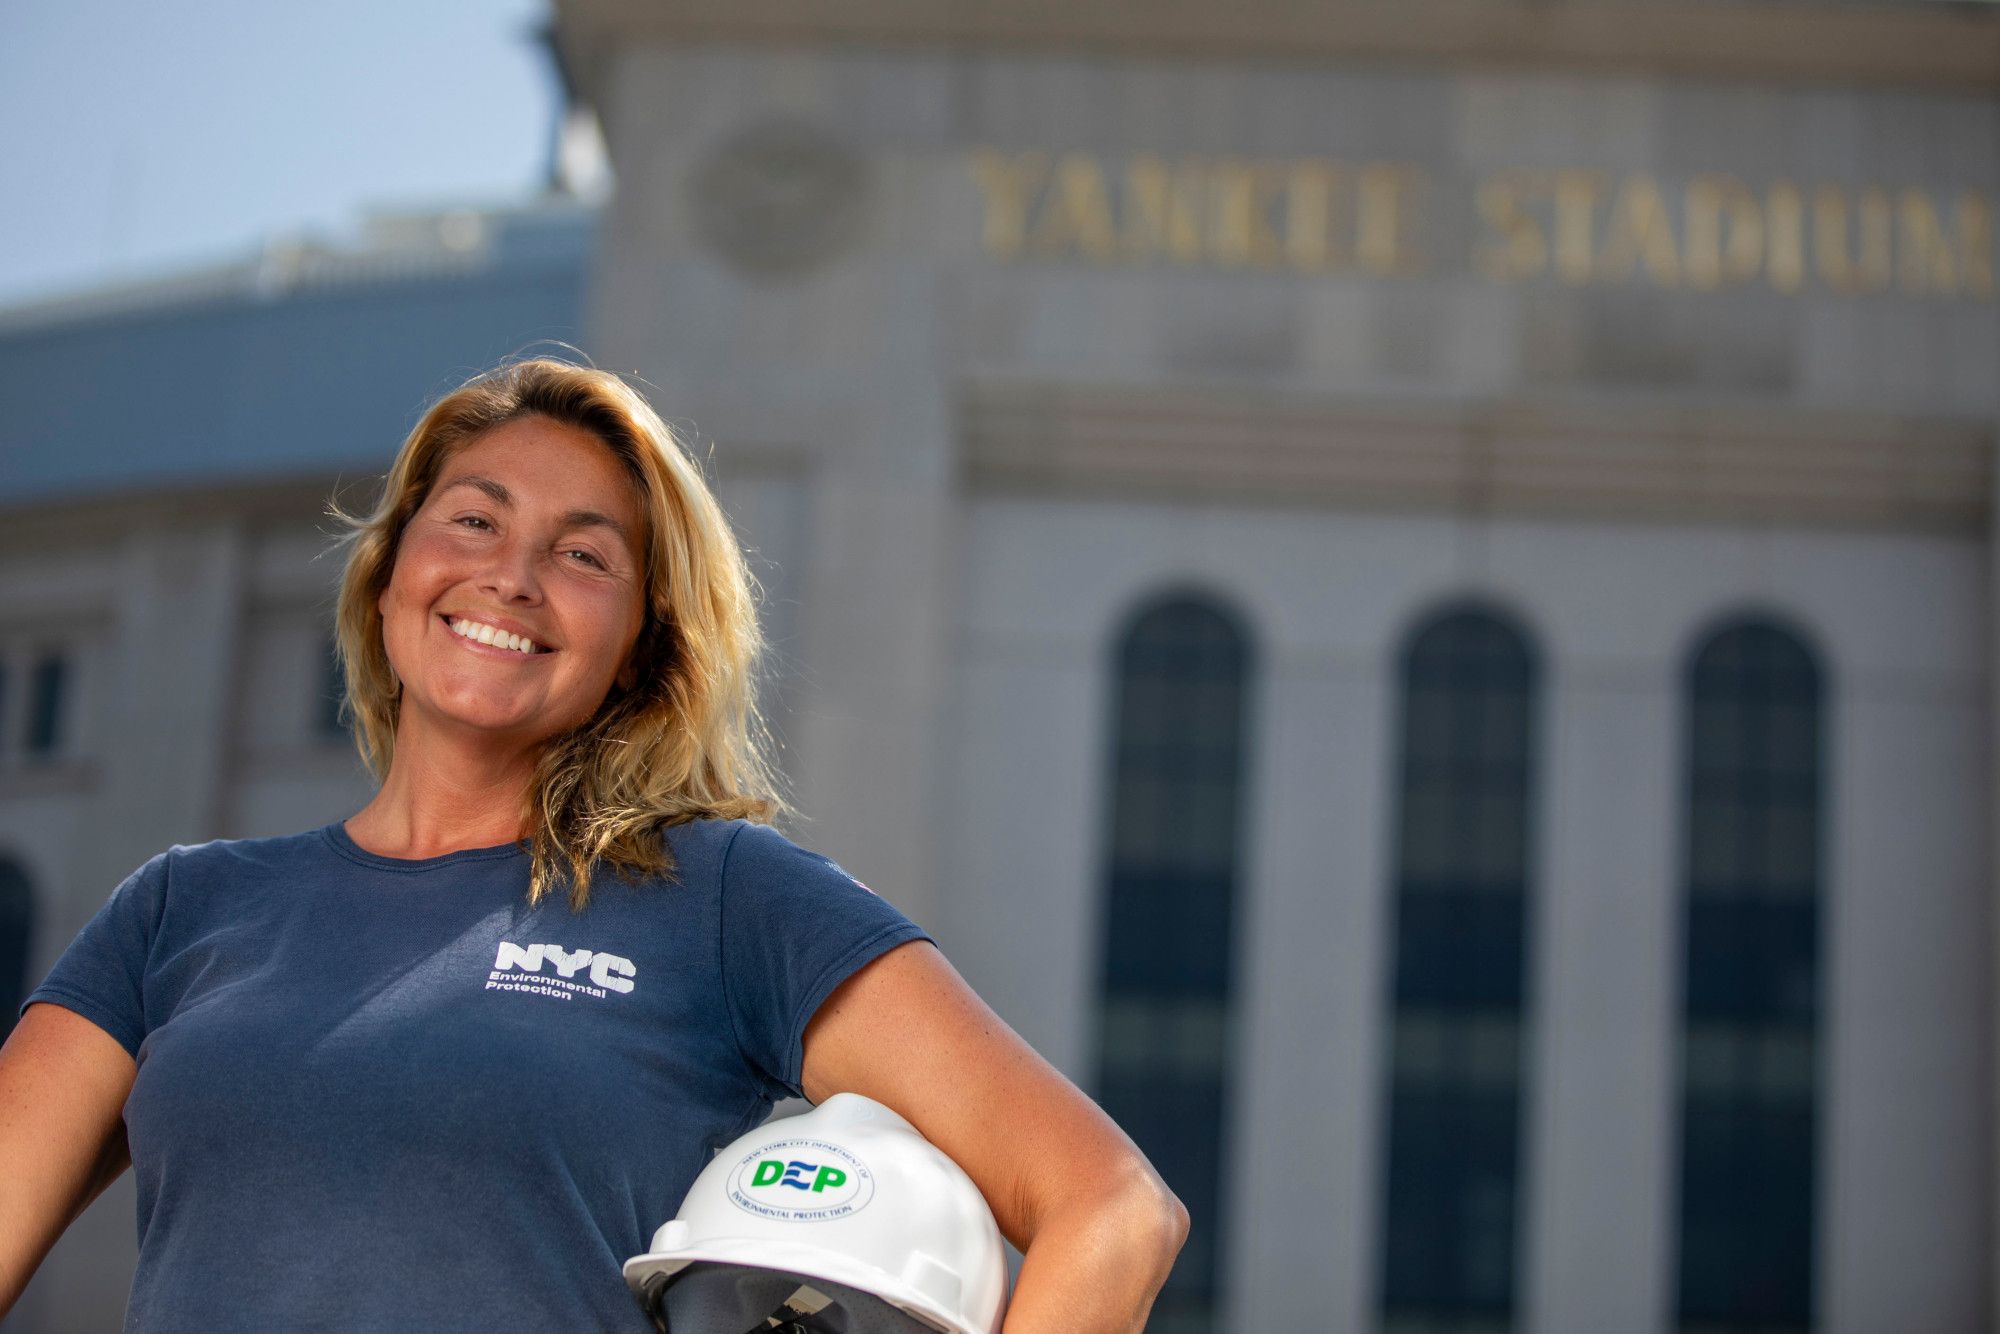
499	717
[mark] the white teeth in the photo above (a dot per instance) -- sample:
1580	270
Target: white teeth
488	634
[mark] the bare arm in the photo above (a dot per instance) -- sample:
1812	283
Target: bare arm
63	1084
1098	1228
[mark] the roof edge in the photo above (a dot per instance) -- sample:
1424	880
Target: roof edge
1934	44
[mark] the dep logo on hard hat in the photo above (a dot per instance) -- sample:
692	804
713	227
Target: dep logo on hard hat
801	1181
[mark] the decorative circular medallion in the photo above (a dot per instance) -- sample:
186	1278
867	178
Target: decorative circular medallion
779	198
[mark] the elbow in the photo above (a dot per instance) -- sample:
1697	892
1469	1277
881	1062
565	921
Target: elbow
1130	1214
1182	1220
1139	1218
1175	1224
1158	1214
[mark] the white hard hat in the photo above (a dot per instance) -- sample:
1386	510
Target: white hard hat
843	1219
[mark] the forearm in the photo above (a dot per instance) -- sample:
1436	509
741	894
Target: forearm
22	1249
63	1083
1096	1268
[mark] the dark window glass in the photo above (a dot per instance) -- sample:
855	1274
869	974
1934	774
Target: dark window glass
17	929
6	718
1460	964
331	697
1750	985
1164	1037
45	705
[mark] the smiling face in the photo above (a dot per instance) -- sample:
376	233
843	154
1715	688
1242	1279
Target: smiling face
519	586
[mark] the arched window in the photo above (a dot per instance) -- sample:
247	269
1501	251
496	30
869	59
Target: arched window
17	930
1457	1041
1169	924
1750	985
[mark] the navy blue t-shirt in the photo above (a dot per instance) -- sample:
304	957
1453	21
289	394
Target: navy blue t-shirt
386	1094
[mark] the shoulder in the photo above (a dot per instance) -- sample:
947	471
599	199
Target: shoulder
738	857
707	837
233	856
230	864
760	855
733	842
192	874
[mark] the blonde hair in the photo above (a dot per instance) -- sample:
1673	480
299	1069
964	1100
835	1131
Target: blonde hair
686	741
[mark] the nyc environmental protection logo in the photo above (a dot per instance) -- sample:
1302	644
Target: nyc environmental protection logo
801	1181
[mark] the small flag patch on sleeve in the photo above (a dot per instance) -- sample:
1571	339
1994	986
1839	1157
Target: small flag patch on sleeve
849	874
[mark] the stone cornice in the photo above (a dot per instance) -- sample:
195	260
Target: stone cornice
104	517
1663	463
1933	44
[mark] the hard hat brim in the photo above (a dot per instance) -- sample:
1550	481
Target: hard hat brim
641	1271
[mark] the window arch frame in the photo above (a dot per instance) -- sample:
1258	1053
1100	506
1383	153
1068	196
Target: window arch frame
1707	1047
1459	1068
1204	1292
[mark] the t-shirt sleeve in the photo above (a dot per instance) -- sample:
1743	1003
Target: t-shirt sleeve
102	974
795	925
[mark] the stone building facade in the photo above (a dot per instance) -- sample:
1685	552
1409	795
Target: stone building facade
1407	590
1464	529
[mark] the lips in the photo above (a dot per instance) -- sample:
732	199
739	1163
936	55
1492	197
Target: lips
493	636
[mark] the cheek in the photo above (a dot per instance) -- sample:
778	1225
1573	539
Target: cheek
631	628
613	635
418	575
395	597
415	582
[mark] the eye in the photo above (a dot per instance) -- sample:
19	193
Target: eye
473	519
586	557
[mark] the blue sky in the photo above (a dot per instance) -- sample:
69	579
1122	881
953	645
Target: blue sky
145	137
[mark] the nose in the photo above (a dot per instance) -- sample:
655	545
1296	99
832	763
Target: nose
510	574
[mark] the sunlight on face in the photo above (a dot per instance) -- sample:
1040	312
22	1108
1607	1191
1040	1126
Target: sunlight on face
519	587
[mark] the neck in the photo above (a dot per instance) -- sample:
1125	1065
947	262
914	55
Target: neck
445	793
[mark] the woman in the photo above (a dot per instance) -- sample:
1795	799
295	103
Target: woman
446	1063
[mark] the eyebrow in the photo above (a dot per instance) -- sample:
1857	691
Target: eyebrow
573	519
